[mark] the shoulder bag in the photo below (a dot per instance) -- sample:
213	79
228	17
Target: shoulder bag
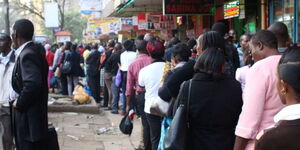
177	135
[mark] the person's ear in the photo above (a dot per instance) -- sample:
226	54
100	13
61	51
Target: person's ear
260	46
283	87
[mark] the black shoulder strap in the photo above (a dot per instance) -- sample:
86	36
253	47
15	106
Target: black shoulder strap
188	101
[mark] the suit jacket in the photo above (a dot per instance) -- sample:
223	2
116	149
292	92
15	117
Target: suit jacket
93	62
29	80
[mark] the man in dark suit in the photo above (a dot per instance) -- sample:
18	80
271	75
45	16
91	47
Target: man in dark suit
29	81
93	73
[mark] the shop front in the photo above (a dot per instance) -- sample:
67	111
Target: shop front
286	11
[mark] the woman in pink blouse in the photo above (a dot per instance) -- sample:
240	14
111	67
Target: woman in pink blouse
261	99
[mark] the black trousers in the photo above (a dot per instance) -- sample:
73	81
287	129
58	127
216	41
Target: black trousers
94	84
64	84
105	96
146	128
154	123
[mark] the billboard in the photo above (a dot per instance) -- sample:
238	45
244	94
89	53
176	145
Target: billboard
231	9
187	6
51	15
90	5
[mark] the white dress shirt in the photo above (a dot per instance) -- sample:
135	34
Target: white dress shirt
126	59
14	95
6	69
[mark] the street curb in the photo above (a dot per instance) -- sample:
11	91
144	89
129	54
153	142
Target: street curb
71	108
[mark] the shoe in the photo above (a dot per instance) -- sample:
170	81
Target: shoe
102	106
114	112
108	108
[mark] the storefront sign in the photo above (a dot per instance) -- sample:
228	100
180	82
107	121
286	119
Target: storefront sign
126	24
231	9
187	6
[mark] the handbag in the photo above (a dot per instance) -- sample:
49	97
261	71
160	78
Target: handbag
51	142
66	67
118	81
159	107
177	135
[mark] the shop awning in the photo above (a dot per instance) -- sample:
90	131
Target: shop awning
133	7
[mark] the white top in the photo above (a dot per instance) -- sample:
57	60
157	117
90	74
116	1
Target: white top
6	69
291	112
241	74
126	59
150	77
14	95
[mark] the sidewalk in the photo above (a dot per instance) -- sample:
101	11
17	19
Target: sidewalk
78	131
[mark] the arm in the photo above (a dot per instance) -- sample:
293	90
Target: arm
129	86
253	108
32	81
184	73
164	92
240	143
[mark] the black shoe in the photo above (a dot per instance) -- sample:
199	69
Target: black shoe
114	112
102	106
108	108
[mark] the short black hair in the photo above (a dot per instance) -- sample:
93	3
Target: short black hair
24	29
95	46
74	47
141	46
140	37
157	55
281	32
111	43
129	45
68	45
220	27
118	46
266	38
182	52
191	43
60	44
211	62
211	39
6	36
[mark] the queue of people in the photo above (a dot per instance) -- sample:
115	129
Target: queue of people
238	95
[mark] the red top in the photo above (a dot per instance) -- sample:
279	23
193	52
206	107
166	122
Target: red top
81	50
50	57
134	68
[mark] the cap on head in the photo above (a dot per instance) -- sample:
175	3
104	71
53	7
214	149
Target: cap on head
155	46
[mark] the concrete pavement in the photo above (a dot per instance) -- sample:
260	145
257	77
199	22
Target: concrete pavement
79	131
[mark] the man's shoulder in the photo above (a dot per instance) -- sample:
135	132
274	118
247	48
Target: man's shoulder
267	62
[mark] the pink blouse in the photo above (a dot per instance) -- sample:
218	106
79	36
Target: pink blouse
261	100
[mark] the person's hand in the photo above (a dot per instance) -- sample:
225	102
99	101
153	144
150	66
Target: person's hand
14	105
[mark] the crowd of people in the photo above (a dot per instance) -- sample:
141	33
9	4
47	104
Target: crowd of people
240	93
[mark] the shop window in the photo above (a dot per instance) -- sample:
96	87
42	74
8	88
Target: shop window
283	11
298	22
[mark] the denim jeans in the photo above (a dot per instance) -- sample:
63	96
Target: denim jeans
115	95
